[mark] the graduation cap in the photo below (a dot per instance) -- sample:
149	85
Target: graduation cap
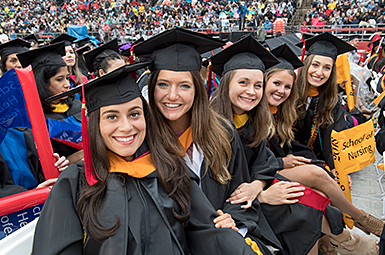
376	43
66	38
177	49
326	45
287	58
306	36
126	51
31	38
82	49
352	37
116	87
247	53
47	55
82	42
95	56
14	46
291	40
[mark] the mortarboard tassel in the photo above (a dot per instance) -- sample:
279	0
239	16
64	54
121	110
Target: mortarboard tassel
208	83
132	60
303	50
88	165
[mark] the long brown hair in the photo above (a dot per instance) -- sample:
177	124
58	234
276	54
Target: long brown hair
328	94
208	129
286	114
171	172
75	69
259	116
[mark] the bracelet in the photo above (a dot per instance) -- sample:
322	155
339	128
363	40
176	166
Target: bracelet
361	106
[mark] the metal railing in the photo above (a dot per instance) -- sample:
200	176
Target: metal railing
344	30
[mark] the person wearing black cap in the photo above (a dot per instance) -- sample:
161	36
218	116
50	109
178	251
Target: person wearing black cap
377	53
319	110
71	59
240	98
51	76
133	197
282	95
353	55
189	129
32	38
104	58
8	51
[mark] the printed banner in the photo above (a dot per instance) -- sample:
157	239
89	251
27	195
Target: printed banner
13	111
353	149
19	209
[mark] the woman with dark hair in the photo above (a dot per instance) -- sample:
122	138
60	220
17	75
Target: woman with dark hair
8	51
71	59
190	130
104	59
129	196
63	115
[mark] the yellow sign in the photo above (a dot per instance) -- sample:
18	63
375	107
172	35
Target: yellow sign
353	149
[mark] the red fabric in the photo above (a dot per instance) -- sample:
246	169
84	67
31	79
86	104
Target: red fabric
23	200
311	198
39	127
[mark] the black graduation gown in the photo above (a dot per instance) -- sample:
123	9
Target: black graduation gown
75	111
147	224
297	226
333	215
251	218
302	132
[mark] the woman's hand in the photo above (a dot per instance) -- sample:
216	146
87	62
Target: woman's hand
224	220
61	162
49	182
246	192
291	161
281	193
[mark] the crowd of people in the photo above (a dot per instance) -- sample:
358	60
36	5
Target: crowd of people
340	14
180	173
126	18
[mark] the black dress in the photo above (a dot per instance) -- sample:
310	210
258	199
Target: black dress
147	223
297	226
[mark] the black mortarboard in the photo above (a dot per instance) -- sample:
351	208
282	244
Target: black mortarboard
82	49
307	36
287	58
177	49
127	52
247	53
82	42
14	46
352	37
291	40
66	38
326	45
47	55
116	87
95	56
31	38
376	43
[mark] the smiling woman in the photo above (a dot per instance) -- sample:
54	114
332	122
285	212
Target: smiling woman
134	197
